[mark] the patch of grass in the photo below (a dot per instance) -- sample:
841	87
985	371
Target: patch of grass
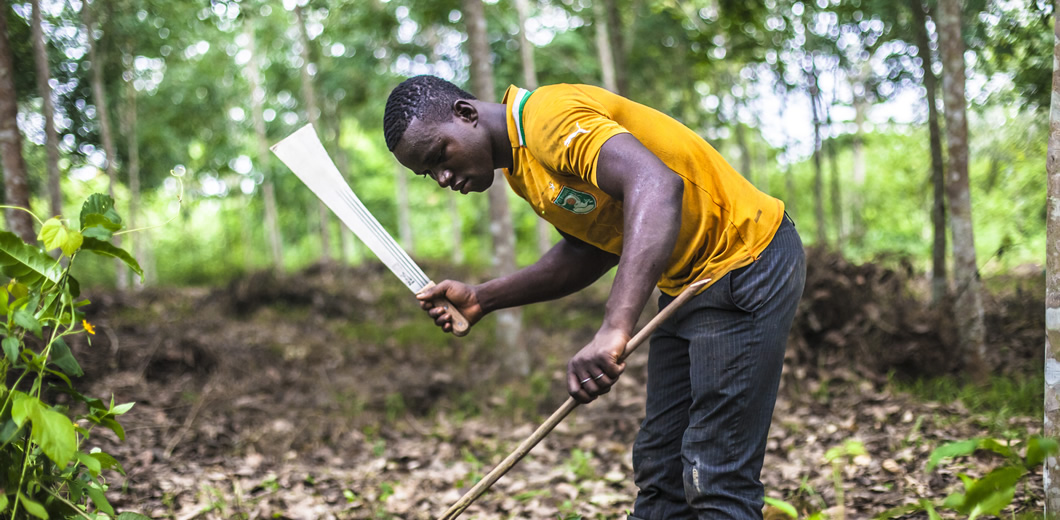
420	333
998	400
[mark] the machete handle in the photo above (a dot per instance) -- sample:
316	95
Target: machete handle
459	322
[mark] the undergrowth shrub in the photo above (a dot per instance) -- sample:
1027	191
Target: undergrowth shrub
46	471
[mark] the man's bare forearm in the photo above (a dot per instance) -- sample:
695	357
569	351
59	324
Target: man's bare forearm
568	267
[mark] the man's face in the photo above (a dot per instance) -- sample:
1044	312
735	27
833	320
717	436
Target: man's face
455	153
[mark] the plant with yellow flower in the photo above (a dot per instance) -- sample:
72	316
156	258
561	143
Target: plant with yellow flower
48	470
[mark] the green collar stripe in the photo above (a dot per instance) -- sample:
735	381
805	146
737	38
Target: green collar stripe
517	113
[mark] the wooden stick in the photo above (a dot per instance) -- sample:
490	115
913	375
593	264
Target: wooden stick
514	457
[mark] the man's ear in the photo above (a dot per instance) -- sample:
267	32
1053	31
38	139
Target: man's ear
464	110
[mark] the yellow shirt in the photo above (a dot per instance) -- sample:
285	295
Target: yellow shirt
556	134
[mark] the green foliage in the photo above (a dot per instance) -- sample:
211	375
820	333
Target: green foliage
989	494
48	472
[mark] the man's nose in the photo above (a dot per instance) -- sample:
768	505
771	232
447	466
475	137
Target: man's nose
445	177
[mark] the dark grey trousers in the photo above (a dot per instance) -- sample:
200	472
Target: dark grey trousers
713	374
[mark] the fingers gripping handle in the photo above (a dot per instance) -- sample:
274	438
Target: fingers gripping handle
460	324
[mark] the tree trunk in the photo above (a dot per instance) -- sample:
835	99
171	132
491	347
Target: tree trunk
1052	285
401	179
313	114
818	174
257	110
939	284
526	52
347	246
968	303
603	47
513	355
132	142
745	151
618	46
857	153
16	187
51	136
456	230
99	98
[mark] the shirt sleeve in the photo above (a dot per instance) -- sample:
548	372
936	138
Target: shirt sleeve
566	128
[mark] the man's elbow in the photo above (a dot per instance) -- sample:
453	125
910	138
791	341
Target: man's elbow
673	189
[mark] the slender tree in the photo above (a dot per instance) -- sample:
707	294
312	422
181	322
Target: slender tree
257	111
16	187
619	50
99	98
818	173
513	355
1052	283
939	283
968	303
401	182
526	54
312	109
44	88
603	46
129	130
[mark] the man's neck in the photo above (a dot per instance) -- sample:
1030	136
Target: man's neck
495	118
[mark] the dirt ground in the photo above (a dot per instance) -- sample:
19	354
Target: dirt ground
326	395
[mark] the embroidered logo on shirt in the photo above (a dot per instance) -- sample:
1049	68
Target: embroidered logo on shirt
578	130
575	201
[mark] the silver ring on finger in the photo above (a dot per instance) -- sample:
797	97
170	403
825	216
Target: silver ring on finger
586	380
599	376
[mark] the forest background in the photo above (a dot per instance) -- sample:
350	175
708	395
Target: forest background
846	110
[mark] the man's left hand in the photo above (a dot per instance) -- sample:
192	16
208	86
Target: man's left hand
593	370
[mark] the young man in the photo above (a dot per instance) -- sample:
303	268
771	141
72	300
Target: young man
626	185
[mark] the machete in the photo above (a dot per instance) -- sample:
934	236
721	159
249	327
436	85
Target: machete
305	155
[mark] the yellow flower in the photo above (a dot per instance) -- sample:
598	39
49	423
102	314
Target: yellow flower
88	327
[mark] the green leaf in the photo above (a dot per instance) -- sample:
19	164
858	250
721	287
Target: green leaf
18	290
3	502
990	494
23	407
996	447
90	462
3	301
100	247
930	508
102	205
107	461
64	359
99	499
953	449
121	408
783	506
99	226
898	511
73	287
114	427
25	319
54	432
11	348
30	263
132	516
32	507
1038	448
7	433
55	234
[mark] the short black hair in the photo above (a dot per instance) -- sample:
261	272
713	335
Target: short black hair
428	98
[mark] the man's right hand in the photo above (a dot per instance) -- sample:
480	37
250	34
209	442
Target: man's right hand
462	295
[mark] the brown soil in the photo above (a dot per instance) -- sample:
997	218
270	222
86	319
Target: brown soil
324	395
